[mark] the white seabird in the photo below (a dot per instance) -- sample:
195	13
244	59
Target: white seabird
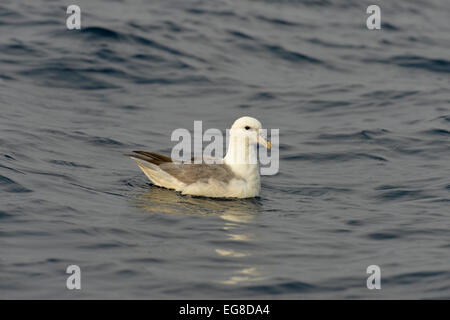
235	176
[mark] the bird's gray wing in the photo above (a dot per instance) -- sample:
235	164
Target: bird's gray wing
191	173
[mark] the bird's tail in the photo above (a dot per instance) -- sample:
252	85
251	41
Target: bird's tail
156	175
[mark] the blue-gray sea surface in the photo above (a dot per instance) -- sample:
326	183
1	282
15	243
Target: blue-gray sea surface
364	119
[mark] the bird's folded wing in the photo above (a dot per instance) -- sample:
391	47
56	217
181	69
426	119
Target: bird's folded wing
191	173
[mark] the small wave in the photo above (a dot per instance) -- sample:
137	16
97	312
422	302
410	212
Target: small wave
173	81
131	108
437	132
126	273
20	49
360	135
309	3
221	13
96	33
280	22
109	55
417	62
414	277
105	246
9	13
382	236
69	164
322	105
9	168
149	57
240	34
104	141
145	260
335	157
315	191
403	195
436	65
389	26
9	185
263	96
5	215
388	187
102	34
390	94
328	44
156	45
63	75
356	223
283	288
289	55
6	77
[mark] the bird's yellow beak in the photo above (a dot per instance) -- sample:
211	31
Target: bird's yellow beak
264	142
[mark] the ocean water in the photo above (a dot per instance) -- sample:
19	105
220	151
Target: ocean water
364	119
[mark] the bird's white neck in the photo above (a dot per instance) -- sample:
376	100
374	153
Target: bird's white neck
242	157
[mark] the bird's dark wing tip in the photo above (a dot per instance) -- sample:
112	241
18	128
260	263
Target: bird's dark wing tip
151	157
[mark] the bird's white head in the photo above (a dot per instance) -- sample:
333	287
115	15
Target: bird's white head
244	135
250	127
242	155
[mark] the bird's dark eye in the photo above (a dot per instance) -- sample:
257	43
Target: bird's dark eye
247	127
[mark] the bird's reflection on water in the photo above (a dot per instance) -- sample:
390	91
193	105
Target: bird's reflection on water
236	213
